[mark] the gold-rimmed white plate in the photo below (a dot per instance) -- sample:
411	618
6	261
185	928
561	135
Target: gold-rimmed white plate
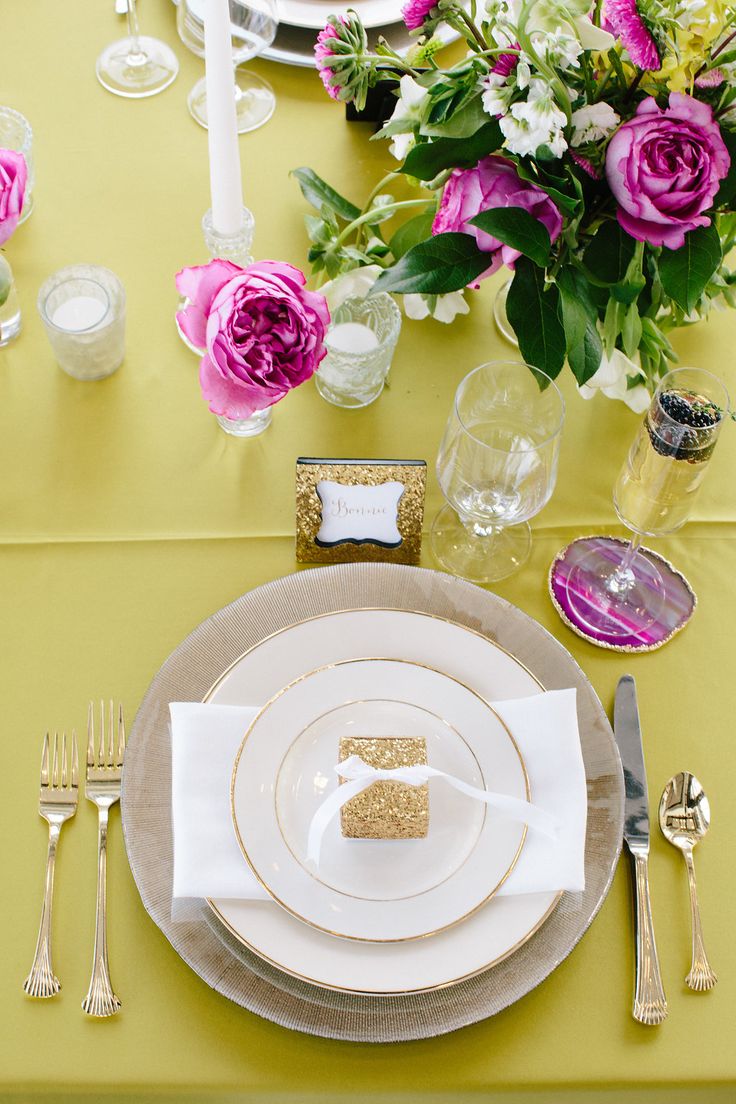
225	962
384	969
376	891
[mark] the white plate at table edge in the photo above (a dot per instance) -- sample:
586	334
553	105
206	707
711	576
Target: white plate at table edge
226	911
507	836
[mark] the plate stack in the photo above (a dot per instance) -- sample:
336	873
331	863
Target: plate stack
301	20
415	937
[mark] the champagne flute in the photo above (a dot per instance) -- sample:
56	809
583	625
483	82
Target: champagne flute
138	65
614	590
497	467
253	26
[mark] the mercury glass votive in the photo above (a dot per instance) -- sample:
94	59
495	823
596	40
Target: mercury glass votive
83	310
360	347
16	134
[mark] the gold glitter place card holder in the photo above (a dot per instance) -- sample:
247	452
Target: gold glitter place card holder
353	510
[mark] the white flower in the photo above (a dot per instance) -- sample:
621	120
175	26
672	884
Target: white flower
560	49
354	284
410	110
444	308
593	122
497	93
612	380
534	122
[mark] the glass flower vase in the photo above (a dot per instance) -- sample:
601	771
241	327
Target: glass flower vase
10	320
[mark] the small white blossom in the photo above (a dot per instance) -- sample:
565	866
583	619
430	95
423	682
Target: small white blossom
497	93
354	284
410	110
534	122
593	122
560	49
612	378
444	308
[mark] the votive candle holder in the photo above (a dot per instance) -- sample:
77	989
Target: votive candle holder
83	311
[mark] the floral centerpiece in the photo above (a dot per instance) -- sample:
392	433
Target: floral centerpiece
589	150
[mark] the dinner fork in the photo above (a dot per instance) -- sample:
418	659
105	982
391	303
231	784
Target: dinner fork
57	804
104	772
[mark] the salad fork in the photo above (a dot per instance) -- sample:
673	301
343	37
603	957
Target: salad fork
104	773
57	804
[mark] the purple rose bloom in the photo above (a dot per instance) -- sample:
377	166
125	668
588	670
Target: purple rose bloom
13	175
494	182
664	168
414	12
263	332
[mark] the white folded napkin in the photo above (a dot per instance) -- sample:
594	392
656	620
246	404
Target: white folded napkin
205	740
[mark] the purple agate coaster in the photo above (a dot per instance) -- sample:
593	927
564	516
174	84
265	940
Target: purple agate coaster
678	606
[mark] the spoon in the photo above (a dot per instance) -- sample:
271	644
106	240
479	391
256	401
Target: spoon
684	817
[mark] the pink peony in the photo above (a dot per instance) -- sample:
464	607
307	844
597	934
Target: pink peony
322	51
414	12
494	182
622	18
263	332
13	175
664	167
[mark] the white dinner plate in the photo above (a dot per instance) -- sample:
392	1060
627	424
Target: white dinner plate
493	931
377	890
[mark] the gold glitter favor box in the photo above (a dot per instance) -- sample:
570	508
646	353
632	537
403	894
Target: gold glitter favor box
386	810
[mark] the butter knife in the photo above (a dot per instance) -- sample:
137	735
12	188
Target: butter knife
650	1005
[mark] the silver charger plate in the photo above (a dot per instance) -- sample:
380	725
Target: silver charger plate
205	945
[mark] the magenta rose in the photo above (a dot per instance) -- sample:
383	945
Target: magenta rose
494	182
263	332
414	12
13	175
664	168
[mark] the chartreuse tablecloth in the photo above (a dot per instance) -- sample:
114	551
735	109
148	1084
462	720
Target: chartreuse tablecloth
127	516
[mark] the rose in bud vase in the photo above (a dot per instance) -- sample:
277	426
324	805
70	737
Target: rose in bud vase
13	177
588	150
262	330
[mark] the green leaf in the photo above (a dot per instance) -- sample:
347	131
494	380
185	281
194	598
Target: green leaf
685	272
727	191
413	231
579	317
514	226
428	159
533	312
568	204
609	254
443	263
463	124
317	192
631	331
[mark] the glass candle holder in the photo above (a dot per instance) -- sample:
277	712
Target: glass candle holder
10	320
83	310
246	427
360	347
16	134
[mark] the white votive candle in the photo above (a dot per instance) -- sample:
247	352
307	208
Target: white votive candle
351	337
82	312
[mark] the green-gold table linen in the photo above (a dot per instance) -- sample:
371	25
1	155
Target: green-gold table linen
127	516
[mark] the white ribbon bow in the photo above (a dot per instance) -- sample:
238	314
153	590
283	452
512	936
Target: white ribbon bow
361	775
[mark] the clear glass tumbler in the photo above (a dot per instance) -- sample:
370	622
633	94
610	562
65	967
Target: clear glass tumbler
83	310
16	134
614	587
253	25
497	467
360	347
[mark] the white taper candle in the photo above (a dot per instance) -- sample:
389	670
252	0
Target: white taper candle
225	181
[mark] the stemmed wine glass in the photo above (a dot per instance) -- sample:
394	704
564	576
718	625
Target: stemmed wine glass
253	27
497	467
138	65
615	590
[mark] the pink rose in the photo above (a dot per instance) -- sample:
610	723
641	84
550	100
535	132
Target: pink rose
263	332
664	167
494	182
414	12
13	175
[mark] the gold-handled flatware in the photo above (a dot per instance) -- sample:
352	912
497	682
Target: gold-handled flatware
104	774
57	803
684	817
